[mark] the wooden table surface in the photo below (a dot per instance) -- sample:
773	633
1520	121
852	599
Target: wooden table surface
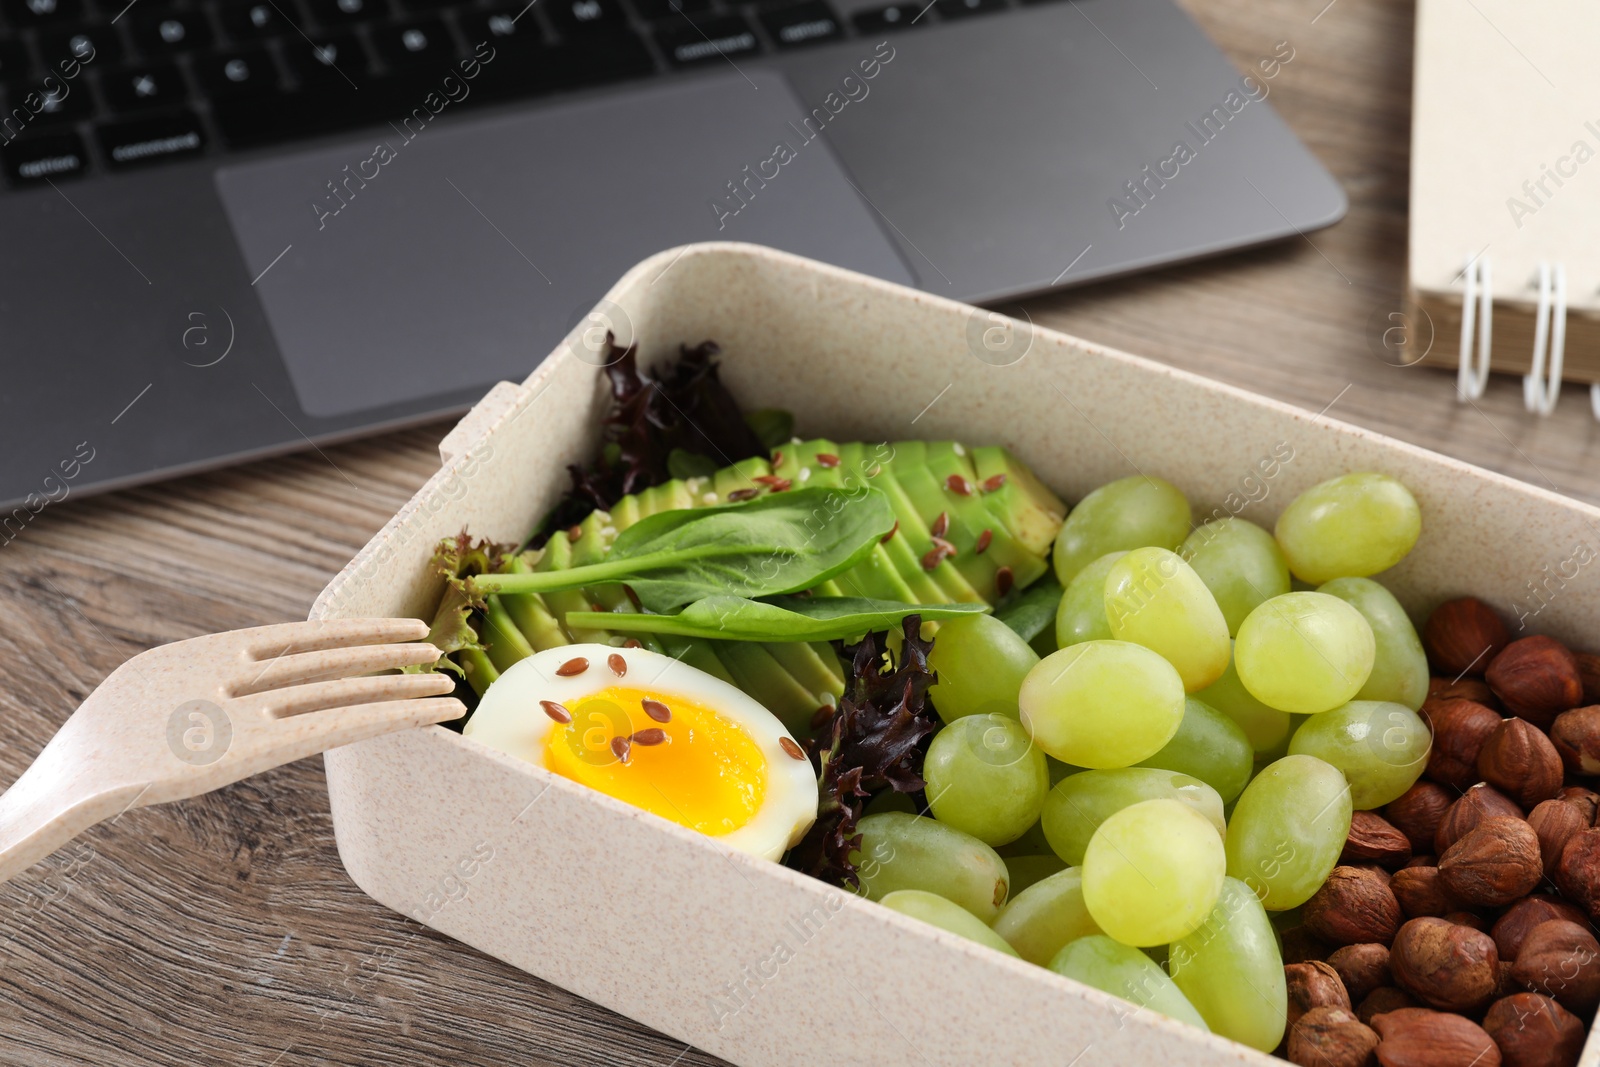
224	930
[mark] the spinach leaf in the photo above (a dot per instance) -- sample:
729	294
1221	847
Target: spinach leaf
1034	610
776	543
779	618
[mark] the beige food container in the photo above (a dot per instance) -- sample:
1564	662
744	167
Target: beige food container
744	958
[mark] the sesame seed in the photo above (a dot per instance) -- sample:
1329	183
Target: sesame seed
576	665
958	448
709	498
983	541
805	474
620	747
608	532
653	736
1003	580
556	711
792	750
656	710
796	441
618	665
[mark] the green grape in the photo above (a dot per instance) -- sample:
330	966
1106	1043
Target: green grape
1304	652
1125	972
1349	527
1240	563
1029	869
1041	919
1267	728
1208	746
900	851
1288	828
1399	666
1231	971
1128	513
1082	614
986	778
1155	599
1380	746
935	910
890	800
1102	703
1152	872
1078	805
1031	843
980	662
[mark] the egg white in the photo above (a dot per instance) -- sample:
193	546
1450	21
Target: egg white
510	719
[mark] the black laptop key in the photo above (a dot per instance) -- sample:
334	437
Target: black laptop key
802	24
958	9
256	21
709	40
670	10
587	16
42	12
152	140
244	72
44	157
410	45
512	28
329	58
143	86
14	63
69	104
891	17
87	44
346	12
160	33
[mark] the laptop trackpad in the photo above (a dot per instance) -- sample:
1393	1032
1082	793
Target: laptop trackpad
457	251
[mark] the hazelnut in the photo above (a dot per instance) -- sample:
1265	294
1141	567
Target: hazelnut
1467	918
1331	1037
1511	929
1578	871
1555	821
1418	811
1373	839
1313	985
1536	678
1471	808
1531	1030
1475	689
1463	636
1353	906
1423	859
1589	671
1421	892
1445	966
1460	727
1417	1037
1561	959
1362	969
1382	999
1587	800
1576	734
1520	761
1493	864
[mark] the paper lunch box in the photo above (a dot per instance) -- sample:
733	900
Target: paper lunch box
744	958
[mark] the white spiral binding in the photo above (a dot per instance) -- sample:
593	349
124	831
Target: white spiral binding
1476	303
1541	388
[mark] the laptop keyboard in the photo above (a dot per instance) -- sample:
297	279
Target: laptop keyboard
93	86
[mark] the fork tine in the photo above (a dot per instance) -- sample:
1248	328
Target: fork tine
318	731
302	667
345	692
315	635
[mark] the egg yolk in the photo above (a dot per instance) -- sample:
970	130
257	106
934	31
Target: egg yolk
704	772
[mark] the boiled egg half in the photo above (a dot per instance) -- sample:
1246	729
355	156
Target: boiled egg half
659	734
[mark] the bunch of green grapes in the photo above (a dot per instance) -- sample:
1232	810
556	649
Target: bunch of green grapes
1129	809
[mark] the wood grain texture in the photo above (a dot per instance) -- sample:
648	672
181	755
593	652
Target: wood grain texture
223	930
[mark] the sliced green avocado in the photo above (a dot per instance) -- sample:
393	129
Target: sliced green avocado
896	550
917	502
969	518
764	678
814	666
625	513
557	556
1021	503
530	613
740	477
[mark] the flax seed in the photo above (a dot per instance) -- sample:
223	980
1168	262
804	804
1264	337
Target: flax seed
822	715
993	482
653	736
556	711
576	665
618	665
793	750
941	525
621	747
892	531
827	460
574	532
780	485
1003	580
656	710
739	495
633	598
777	458
633	642
983	541
958	485
766	479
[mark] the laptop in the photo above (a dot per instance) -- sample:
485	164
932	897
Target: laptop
233	228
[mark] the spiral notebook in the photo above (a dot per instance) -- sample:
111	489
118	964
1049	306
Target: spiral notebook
1505	192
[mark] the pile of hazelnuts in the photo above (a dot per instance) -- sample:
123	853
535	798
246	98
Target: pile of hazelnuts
1456	929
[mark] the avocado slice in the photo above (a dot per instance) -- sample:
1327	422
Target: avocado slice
969	518
755	671
913	531
557	556
1021	503
814	666
896	551
625	512
530	613
740	476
